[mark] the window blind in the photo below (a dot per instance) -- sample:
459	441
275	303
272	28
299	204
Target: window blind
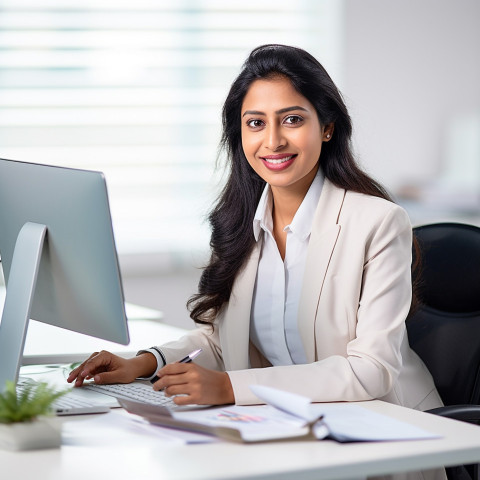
135	89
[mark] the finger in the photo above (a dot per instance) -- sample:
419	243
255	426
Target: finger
182	389
75	372
181	397
184	400
105	378
95	364
174	369
79	381
158	385
169	380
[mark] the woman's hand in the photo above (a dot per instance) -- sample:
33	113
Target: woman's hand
105	367
196	384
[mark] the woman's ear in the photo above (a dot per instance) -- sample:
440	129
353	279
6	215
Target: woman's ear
328	132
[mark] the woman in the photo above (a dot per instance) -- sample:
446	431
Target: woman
309	281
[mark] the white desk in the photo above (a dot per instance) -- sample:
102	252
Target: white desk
129	455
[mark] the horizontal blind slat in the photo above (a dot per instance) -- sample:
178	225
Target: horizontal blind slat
135	89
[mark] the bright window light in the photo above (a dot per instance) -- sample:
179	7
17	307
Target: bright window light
135	89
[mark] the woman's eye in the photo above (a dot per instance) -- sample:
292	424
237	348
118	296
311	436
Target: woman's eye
293	119
254	123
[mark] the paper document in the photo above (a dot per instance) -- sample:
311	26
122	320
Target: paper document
344	422
285	415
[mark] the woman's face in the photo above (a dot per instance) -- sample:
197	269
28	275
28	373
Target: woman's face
281	134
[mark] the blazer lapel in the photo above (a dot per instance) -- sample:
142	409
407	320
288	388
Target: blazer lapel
234	326
324	236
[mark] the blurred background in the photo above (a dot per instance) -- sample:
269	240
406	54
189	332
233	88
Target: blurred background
135	89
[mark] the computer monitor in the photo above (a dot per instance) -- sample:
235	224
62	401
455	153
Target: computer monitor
58	256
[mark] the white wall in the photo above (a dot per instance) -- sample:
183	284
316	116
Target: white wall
411	66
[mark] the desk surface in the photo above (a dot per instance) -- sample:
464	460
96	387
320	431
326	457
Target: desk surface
128	454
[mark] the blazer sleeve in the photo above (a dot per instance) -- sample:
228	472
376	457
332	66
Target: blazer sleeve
368	364
204	337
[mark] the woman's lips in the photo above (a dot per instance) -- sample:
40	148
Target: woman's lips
279	161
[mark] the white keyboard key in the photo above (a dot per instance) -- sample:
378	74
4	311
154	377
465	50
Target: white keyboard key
136	391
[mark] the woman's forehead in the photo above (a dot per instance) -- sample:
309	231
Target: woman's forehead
273	94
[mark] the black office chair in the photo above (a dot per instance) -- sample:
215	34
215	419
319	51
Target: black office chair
445	329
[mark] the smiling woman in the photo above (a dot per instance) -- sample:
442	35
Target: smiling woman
309	283
282	140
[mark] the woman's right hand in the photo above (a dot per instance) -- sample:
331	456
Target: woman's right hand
105	367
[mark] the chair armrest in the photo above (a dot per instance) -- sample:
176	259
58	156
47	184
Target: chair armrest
465	413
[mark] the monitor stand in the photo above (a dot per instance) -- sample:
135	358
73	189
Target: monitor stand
18	302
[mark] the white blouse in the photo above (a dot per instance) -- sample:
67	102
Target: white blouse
273	317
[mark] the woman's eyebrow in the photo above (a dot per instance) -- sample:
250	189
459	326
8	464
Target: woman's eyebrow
289	109
282	110
253	112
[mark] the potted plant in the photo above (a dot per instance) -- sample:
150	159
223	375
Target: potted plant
26	420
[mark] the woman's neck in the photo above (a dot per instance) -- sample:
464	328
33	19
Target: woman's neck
284	209
286	202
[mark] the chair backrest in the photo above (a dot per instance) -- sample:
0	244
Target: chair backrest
445	329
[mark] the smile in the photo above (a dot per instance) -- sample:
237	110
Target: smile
277	159
279	162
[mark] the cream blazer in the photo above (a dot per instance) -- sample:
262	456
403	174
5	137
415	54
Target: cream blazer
355	297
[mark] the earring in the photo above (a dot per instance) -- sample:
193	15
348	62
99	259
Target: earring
328	135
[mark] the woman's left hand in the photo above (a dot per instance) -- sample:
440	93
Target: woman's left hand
196	384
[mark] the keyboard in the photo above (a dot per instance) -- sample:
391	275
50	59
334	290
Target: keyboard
92	398
73	403
136	391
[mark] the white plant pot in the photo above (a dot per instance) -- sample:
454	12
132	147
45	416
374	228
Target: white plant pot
43	432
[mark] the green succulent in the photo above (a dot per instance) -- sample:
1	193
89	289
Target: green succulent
35	400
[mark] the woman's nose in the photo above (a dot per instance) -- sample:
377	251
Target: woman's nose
274	139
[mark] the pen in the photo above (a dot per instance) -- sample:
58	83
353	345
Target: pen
191	356
186	359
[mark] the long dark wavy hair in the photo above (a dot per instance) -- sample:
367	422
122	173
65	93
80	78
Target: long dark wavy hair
231	219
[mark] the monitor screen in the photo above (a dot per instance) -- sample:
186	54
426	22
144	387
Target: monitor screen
58	256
